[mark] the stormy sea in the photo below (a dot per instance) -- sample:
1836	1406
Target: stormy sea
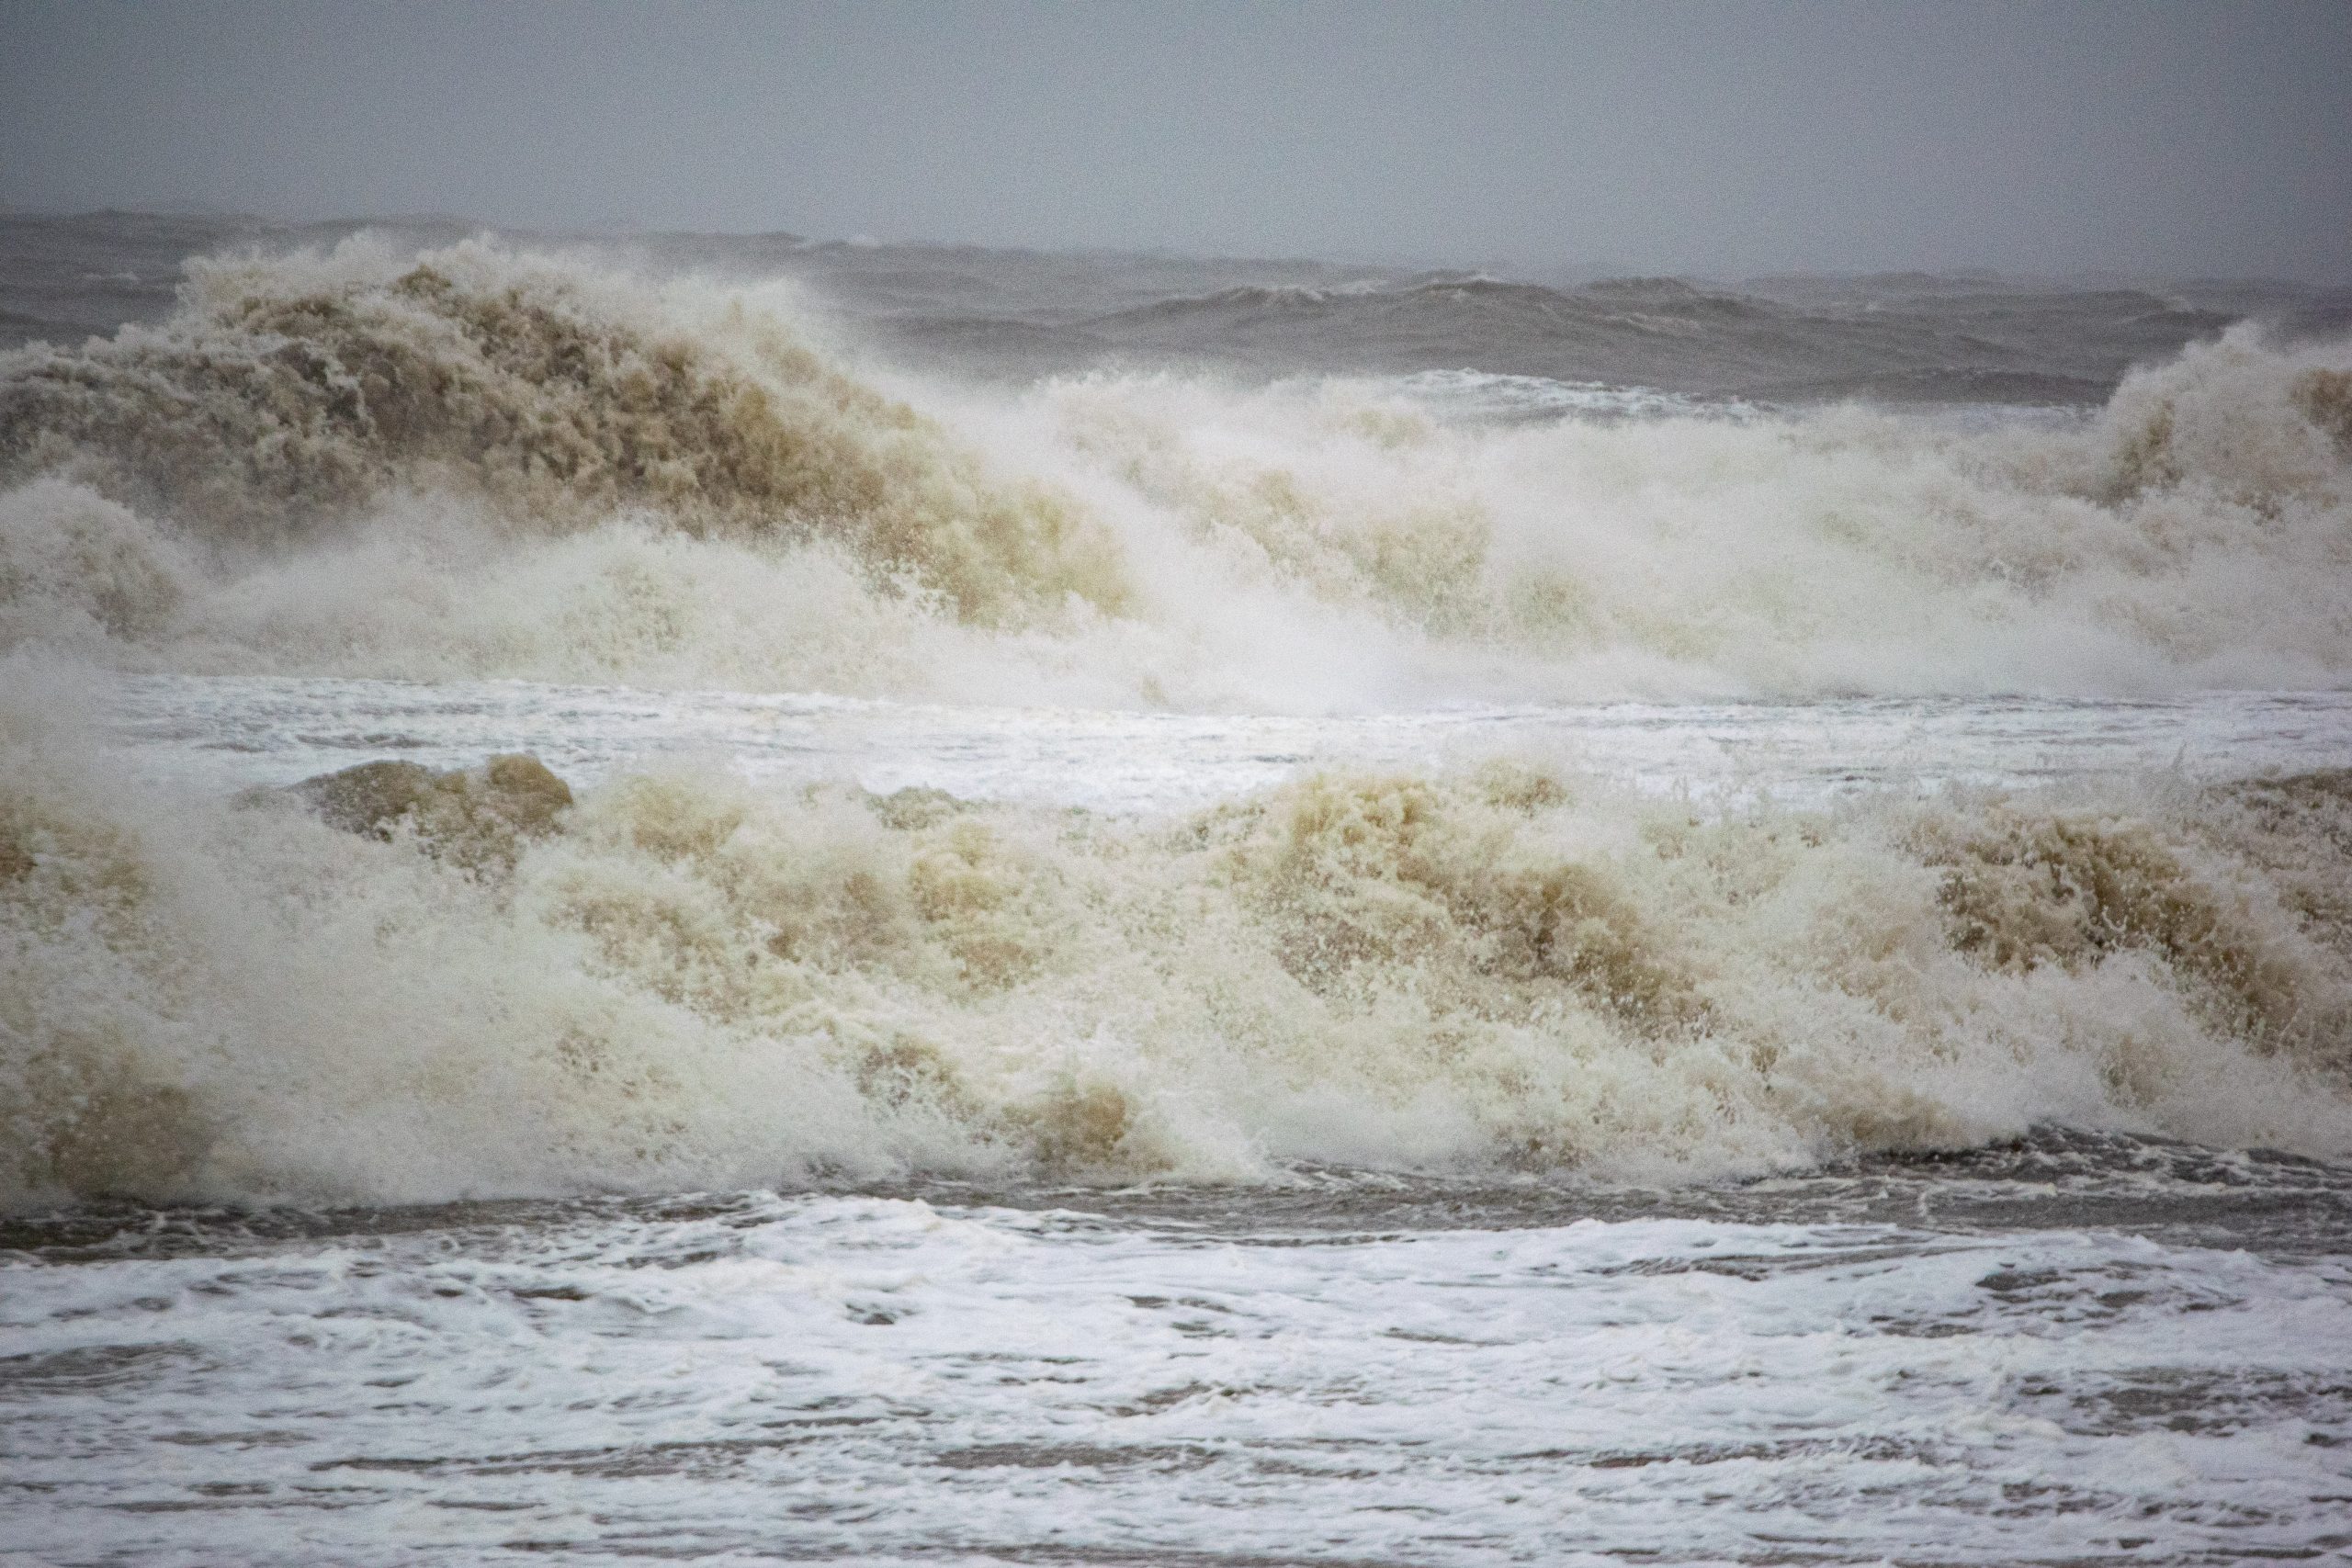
738	899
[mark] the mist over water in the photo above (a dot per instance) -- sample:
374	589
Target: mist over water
1081	767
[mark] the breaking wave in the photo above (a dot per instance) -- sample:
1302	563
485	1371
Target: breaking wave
288	394
392	985
484	462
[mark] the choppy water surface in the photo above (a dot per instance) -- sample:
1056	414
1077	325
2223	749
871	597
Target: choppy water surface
2068	1352
229	733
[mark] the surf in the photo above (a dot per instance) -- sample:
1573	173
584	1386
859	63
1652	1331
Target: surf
485	460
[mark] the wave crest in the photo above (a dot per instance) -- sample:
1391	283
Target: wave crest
474	462
679	982
287	393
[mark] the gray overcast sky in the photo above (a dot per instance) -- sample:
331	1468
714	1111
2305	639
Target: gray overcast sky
1726	136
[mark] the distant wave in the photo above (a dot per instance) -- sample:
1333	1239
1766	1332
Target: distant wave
1448	293
1994	343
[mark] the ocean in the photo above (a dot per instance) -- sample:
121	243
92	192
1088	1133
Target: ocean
734	899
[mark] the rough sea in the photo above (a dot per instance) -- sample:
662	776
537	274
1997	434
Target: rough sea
738	900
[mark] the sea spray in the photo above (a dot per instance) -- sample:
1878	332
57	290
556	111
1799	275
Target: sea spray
487	462
289	392
682	981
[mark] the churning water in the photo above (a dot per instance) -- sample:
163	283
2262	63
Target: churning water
1245	920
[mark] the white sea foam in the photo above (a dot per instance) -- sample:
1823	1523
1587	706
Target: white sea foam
484	463
1181	798
896	1383
698	981
480	462
1484	394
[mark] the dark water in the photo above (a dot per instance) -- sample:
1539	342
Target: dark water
2272	1204
1962	337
